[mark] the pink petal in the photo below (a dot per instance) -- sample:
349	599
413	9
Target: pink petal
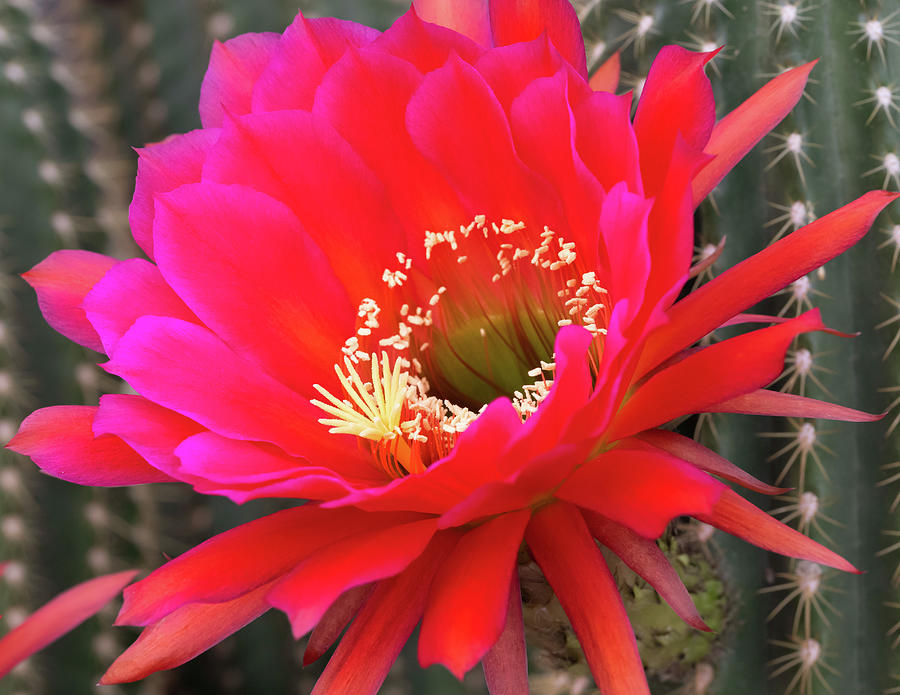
184	634
163	167
759	276
238	561
56	618
375	638
469	599
606	77
514	21
130	289
764	402
467	17
561	544
61	281
245	286
695	453
336	618
708	376
677	100
505	664
645	558
737	133
234	68
643	489
61	442
158	357
316	583
735	515
306	50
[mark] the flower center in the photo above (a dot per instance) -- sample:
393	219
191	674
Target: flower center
494	297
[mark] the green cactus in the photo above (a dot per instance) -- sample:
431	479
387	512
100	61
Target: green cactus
81	82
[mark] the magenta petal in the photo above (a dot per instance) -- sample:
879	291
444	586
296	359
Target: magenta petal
61	281
130	289
159	357
251	293
61	442
468	602
162	167
234	67
314	44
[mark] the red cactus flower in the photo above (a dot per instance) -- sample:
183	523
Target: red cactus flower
429	280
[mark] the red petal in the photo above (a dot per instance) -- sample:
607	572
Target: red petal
735	515
468	602
606	77
467	17
505	664
334	621
163	167
573	565
646	559
737	133
131	289
457	122
706	460
426	44
61	281
677	100
765	402
234	67
374	640
238	561
246	291
543	128
306	50
708	376
644	489
183	634
610	152
56	618
261	151
61	442
514	21
759	276
317	582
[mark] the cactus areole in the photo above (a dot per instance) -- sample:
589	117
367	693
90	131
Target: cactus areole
430	281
